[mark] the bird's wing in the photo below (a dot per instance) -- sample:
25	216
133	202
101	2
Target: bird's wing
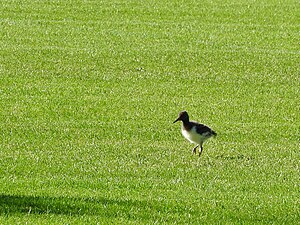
202	129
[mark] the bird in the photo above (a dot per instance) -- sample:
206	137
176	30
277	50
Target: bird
195	132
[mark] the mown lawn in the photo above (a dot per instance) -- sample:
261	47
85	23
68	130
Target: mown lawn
89	91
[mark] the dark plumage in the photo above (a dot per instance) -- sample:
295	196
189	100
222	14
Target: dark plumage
195	132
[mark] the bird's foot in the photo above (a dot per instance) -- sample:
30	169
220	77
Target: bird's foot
194	149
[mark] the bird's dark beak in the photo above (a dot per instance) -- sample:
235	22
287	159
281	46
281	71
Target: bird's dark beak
176	120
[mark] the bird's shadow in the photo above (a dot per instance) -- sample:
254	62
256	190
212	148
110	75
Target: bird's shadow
234	157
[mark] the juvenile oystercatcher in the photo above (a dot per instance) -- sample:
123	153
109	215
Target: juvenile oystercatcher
193	131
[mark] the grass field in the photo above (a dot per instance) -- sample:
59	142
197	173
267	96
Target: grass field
89	91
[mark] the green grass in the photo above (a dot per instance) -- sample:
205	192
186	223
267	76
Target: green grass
89	91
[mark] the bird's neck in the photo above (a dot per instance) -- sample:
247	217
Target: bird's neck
186	125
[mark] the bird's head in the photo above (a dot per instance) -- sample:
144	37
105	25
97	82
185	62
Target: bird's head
183	116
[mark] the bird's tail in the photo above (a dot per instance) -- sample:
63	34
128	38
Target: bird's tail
214	133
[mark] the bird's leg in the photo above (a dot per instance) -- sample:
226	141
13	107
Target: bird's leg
194	149
200	150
